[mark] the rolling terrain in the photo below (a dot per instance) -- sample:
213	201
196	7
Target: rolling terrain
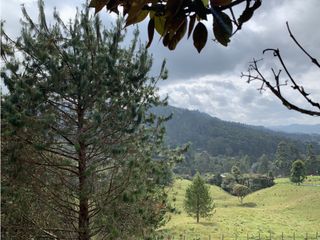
284	208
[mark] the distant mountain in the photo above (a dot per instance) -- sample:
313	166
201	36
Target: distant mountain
298	128
219	137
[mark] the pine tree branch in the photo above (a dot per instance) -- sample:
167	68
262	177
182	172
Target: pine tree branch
274	89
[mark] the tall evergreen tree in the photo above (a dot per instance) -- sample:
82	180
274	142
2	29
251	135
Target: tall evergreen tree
236	172
78	143
245	163
283	159
263	166
298	172
198	201
312	164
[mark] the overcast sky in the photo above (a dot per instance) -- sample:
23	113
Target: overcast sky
210	81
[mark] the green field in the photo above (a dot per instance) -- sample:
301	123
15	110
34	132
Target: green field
284	208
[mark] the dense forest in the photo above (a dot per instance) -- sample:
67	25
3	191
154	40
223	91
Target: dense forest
217	145
218	137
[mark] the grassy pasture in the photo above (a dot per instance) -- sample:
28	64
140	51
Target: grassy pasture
284	208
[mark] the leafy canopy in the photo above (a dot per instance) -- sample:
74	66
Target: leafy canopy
241	191
173	19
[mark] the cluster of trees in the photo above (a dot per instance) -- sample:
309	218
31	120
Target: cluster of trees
232	181
286	156
82	157
199	203
279	163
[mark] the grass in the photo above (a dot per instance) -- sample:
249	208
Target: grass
284	208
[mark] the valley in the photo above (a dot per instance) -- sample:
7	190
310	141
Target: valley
284	208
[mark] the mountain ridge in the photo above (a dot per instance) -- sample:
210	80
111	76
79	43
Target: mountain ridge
297	128
219	137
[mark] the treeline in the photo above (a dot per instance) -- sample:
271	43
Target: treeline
278	163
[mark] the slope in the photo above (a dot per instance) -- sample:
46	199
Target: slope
284	208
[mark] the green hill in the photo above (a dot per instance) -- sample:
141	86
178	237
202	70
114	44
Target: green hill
284	208
218	137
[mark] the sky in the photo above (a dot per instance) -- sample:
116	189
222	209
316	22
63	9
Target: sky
210	81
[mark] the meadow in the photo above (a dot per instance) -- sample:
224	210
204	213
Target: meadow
283	211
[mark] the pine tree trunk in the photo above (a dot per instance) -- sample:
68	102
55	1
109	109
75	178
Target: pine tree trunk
83	220
84	233
198	208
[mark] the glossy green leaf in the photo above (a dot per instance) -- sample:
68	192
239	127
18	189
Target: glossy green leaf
205	2
159	24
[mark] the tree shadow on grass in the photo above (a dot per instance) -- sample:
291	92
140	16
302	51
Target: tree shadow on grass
204	222
207	224
248	205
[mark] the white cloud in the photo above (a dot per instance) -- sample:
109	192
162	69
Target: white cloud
211	81
226	97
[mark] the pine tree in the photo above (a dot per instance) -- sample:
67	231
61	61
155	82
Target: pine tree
263	167
283	159
198	201
312	165
298	173
78	140
236	172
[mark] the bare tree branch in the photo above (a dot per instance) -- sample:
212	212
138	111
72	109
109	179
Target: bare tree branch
254	74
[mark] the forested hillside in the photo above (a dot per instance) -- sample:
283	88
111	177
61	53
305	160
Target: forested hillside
218	137
298	128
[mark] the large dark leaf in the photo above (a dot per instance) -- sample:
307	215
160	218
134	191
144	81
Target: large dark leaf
245	16
98	4
200	36
159	23
175	39
220	2
200	9
150	31
222	28
248	13
173	7
136	18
